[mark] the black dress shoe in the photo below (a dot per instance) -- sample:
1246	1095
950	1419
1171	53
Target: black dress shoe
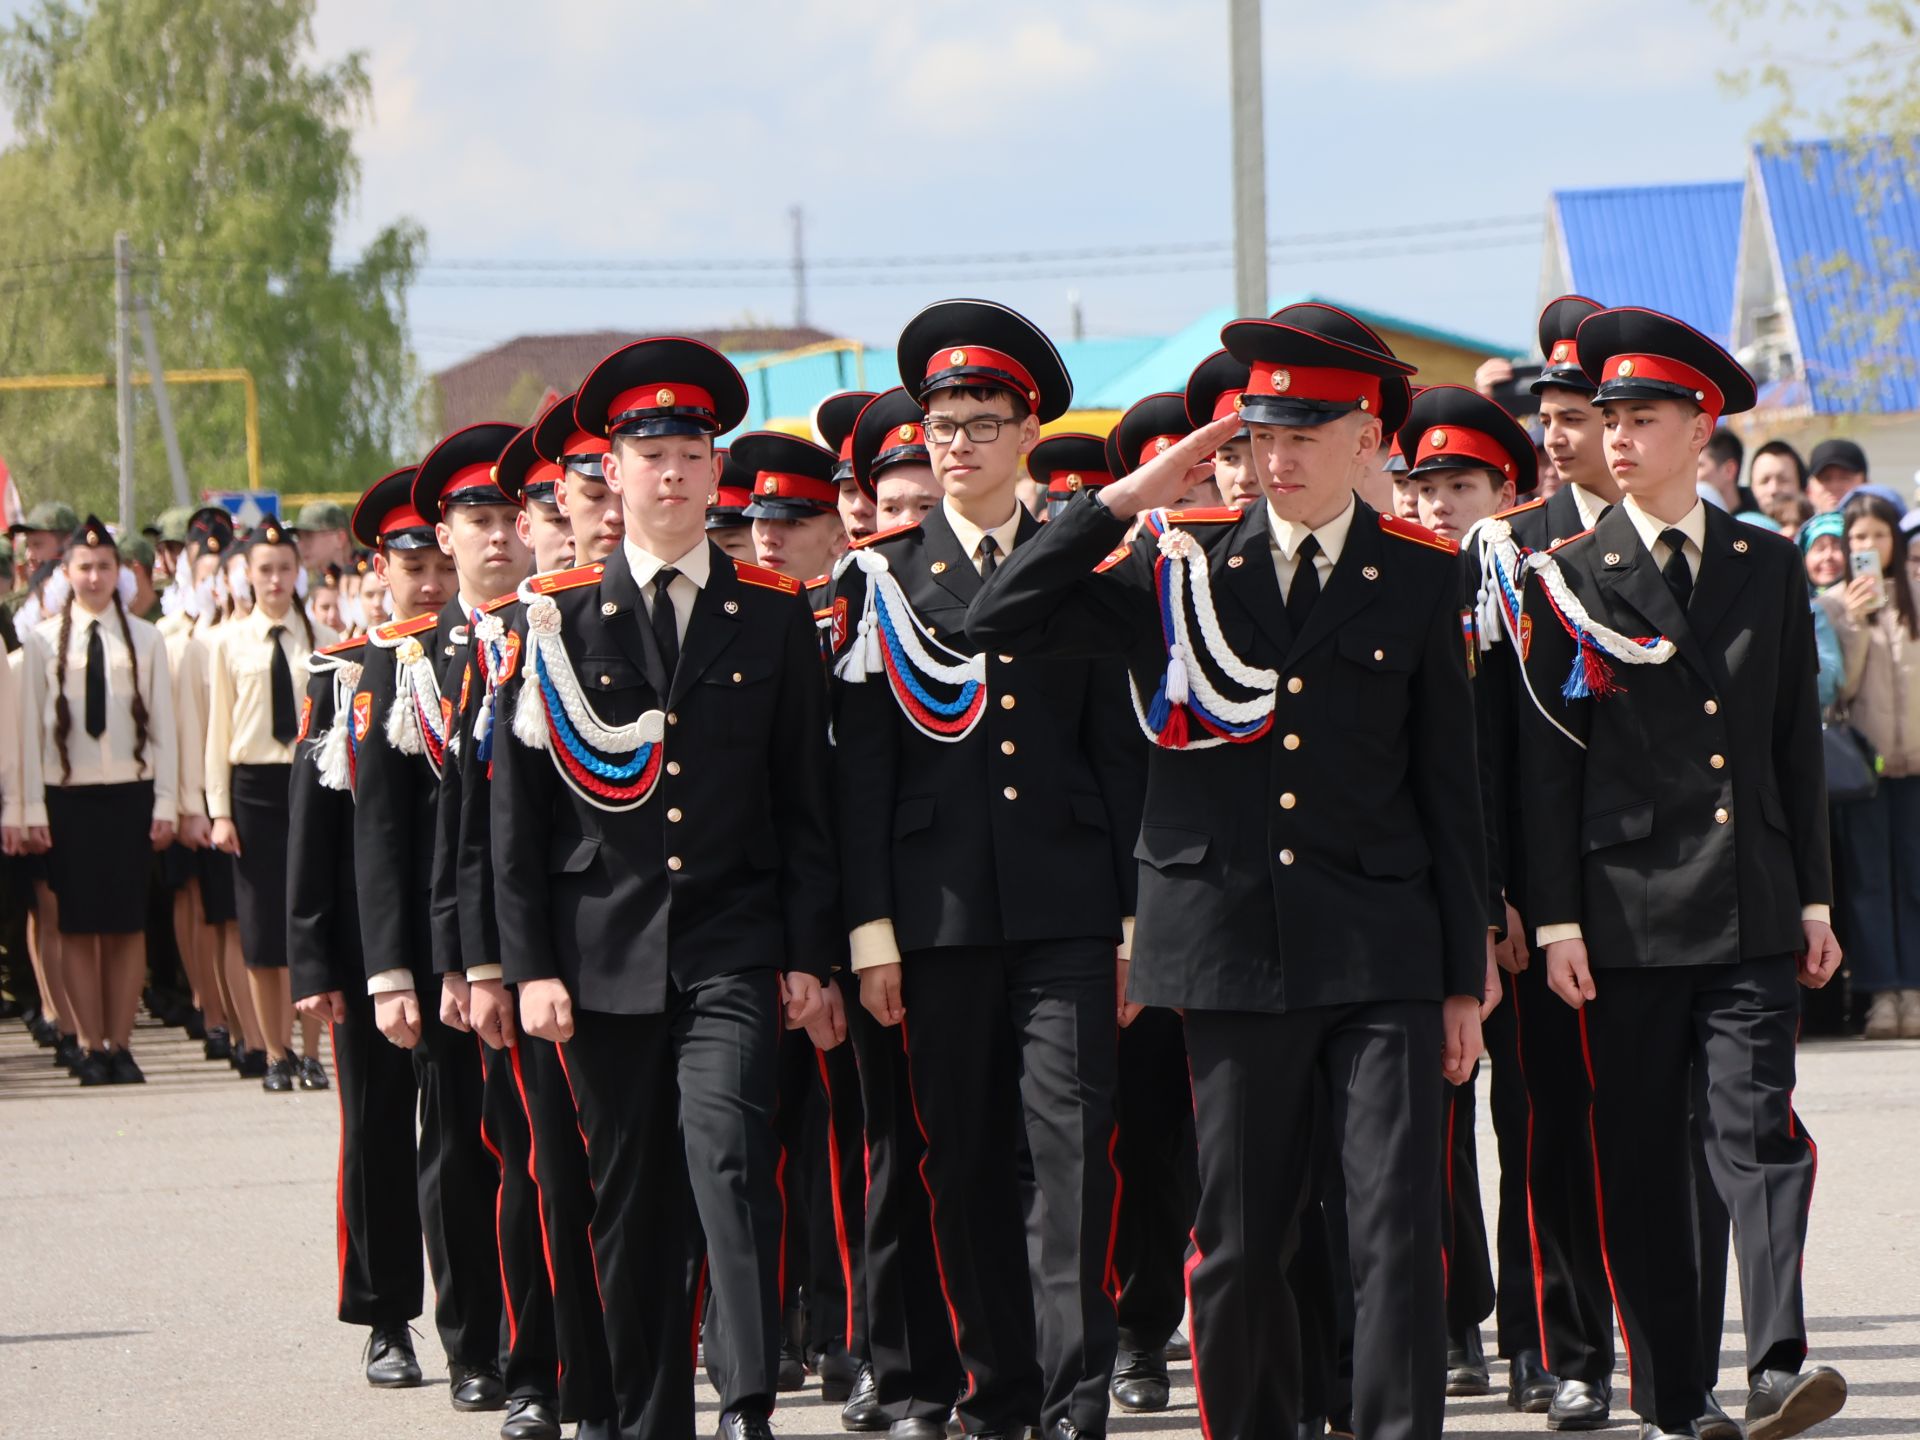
603	1429
1785	1402
196	1025
475	1387
863	1412
1581	1405
1139	1381
94	1068
45	1033
124	1071
744	1425
1529	1385
389	1357
67	1052
252	1065
793	1370
1716	1424
1178	1347
1067	1430
279	1077
1467	1365
530	1418
313	1075
917	1427
218	1044
838	1371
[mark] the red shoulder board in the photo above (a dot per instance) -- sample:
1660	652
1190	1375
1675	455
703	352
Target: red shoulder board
766	579
1205	515
1522	509
1114	557
1561	544
400	629
880	535
344	646
1418	534
567	579
500	602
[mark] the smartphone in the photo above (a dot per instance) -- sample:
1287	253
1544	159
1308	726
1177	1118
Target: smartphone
1867	562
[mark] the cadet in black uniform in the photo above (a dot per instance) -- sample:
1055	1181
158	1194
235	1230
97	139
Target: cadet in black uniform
1313	893
727	523
665	882
833	422
400	731
1676	822
378	1211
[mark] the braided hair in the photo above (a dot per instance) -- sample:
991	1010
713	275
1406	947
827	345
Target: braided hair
62	711
139	700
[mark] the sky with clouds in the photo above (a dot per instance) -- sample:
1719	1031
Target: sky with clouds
582	132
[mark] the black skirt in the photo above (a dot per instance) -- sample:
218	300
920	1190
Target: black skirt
260	873
102	856
214	869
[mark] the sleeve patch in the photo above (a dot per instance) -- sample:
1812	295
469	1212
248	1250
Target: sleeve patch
1113	558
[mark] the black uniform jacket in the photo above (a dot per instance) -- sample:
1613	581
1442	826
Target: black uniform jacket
394	815
1023	830
465	930
1338	858
1693	826
729	865
323	919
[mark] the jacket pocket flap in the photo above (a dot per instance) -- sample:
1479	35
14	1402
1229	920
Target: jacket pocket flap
572	854
1399	859
1617	826
607	672
743	671
1377	652
1163	845
913	813
1773	812
1088	809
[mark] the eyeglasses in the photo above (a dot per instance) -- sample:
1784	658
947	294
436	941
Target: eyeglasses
981	430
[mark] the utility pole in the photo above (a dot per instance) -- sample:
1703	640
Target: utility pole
123	371
799	217
162	406
1076	317
1249	159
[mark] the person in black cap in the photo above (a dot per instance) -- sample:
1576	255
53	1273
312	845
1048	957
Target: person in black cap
381	1278
794	497
532	481
1300	670
1067	462
727	522
833	422
890	460
1835	469
1214	389
582	494
400	733
1150	426
955	766
664	882
1678	874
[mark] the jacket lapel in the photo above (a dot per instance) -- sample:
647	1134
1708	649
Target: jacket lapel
1348	590
1625	568
1247	575
1563	515
950	567
712	626
1726	563
627	621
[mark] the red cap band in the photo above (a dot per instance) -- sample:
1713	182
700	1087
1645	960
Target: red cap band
736	496
402	517
543	472
846	447
965	358
787	486
1473	444
670	396
1156	445
1228	402
1316	382
579	443
1064	483
480	476
1565	354
1668	371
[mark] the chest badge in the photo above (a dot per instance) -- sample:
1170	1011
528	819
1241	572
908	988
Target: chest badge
939	567
1370	572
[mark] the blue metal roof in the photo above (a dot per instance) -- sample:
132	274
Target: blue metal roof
1668	247
1844	220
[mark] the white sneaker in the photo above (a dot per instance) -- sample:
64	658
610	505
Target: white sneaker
1883	1016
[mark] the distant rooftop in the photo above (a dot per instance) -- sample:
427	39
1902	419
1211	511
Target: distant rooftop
1671	248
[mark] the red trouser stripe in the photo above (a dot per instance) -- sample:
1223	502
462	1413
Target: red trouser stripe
499	1204
340	1174
598	1289
833	1180
933	1205
1533	1226
533	1174
1600	1202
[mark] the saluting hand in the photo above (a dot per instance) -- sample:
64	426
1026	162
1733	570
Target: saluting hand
546	1010
1460	1024
1164	479
880	994
1822	957
453	1001
328	1005
490	1013
397	1013
1567	973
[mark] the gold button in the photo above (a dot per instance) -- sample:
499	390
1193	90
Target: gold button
1011	793
1712	707
673	767
736	677
606	680
1292	742
1296	685
1006	702
1379	654
672	719
1720	816
673	862
1286	857
673	816
1719	762
1289	800
1006	659
1007	747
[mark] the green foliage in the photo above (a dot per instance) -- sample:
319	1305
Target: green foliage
207	131
1851	68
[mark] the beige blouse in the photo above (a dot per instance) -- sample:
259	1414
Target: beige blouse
240	697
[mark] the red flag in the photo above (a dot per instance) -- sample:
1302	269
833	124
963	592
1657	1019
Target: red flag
13	507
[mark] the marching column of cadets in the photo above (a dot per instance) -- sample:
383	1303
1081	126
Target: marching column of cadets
698	794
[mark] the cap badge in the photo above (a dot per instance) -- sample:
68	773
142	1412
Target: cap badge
1240	401
1073	482
958	357
493	473
663	396
906	432
1625	369
770	487
1560	351
1282	381
1437	439
1161	445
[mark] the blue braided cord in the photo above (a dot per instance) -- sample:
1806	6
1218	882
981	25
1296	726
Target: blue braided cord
577	747
1244	729
1575	687
1160	707
905	671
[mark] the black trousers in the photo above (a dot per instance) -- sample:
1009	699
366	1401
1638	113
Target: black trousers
837	1205
1516	1315
1651	1036
686	1095
1036	1335
459	1185
916	1369
565	1193
1468	1269
794	1081
378	1214
1254	1078
1159	1180
1320	1275
530	1363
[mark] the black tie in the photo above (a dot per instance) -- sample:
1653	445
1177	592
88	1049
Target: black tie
96	681
1306	584
665	634
1678	577
285	727
989	548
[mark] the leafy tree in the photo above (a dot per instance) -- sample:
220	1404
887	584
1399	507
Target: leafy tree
206	130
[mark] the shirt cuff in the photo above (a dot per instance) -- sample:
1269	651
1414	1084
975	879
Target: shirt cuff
872	945
1125	951
389	982
1548	934
482	972
219	804
35	816
1822	913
